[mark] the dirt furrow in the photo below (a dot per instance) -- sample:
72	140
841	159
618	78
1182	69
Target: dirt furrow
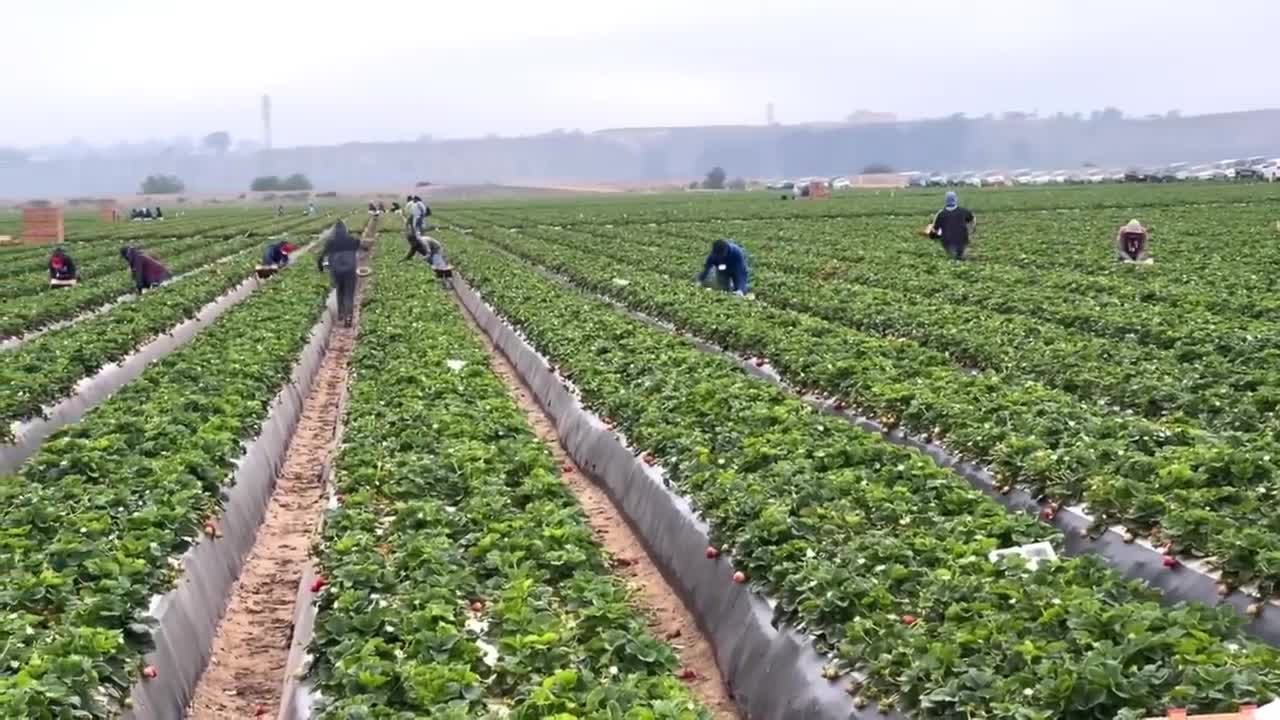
668	618
251	648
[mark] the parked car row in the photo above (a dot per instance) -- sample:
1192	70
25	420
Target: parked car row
1258	168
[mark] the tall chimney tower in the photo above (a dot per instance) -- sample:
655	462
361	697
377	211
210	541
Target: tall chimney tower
266	121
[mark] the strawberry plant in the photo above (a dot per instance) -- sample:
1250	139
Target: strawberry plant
1199	486
95	518
854	536
450	498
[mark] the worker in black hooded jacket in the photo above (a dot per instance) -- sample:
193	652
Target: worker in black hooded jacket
342	249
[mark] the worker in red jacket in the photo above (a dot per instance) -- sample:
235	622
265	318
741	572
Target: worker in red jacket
147	271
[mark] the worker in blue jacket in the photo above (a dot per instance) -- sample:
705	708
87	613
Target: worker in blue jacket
726	268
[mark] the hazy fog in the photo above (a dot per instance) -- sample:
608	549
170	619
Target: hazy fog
129	70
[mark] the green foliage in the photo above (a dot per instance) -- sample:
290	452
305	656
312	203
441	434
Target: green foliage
162	185
461	574
715	179
273	183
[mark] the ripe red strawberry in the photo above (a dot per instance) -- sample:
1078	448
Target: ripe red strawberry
1170	561
688	674
567	469
739	577
149	672
712	552
760	362
477	606
260	710
318	584
1048	514
650	458
909	620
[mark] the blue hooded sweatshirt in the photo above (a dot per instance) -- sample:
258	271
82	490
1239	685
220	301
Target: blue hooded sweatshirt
735	262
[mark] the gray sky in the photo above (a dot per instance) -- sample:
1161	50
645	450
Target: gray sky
128	70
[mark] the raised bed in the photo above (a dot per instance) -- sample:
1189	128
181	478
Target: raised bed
187	616
773	672
28	435
1180	578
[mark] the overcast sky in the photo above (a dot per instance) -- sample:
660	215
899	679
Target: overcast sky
129	70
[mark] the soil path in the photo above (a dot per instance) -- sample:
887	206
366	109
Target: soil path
251	649
668	617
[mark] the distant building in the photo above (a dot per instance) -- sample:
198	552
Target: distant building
867	117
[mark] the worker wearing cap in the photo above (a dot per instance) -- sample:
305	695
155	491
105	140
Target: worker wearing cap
1131	242
726	268
277	254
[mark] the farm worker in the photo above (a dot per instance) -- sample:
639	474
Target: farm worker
422	212
1131	242
311	208
147	272
159	215
952	225
277	254
61	266
410	212
424	245
342	250
395	207
726	268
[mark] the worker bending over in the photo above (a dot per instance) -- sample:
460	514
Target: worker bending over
62	269
726	268
424	245
341	250
952	225
1131	243
277	254
147	271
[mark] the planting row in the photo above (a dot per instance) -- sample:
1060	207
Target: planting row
105	240
1206	494
459	577
876	551
20	316
94	522
1214	390
48	367
633	209
1181	300
102	263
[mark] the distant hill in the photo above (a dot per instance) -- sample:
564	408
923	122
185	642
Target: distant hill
630	155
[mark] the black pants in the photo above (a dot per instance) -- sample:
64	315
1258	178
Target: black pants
955	249
345	285
416	248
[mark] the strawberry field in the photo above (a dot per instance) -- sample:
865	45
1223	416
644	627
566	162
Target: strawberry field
1143	397
817	474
